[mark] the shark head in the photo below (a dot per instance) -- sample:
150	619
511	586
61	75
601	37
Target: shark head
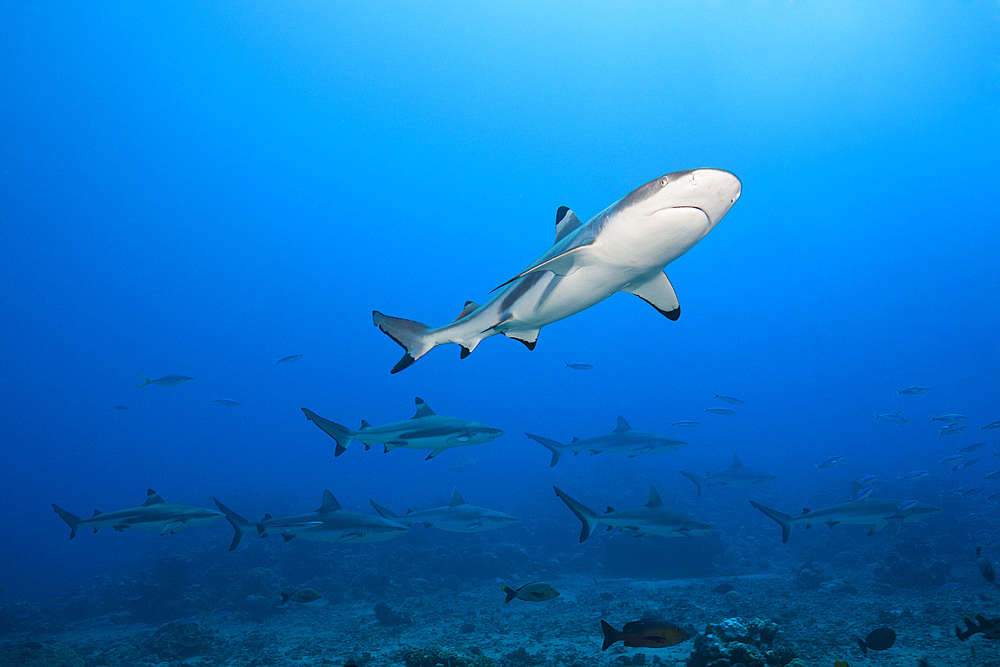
712	191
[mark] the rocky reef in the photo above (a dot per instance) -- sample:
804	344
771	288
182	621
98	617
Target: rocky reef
736	641
37	654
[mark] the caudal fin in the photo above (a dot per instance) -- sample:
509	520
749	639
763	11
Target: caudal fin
610	635
582	512
285	597
694	478
145	380
387	514
411	336
70	518
557	448
511	593
340	434
784	520
239	524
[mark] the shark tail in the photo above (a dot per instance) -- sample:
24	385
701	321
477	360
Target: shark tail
388	514
582	512
610	634
411	336
145	380
511	593
340	434
694	478
783	520
239	524
70	518
557	448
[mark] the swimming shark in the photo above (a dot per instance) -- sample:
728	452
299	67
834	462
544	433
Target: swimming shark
737	476
652	519
625	248
329	523
623	440
881	512
154	514
425	430
457	516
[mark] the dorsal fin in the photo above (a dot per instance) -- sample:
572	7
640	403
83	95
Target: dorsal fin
98	513
364	425
153	498
456	499
566	222
329	503
423	410
855	488
654	498
736	461
469	307
267	517
575	439
622	425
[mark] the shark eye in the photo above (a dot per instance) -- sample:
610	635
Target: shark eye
664	180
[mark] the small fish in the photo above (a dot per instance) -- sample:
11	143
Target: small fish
993	475
226	401
970	516
224	612
974	447
131	598
189	619
732	400
912	391
647	633
829	463
536	591
303	595
120	408
165	381
21	617
880	639
948	419
579	367
973	491
916	474
136	625
971	462
720	411
951	459
994	496
989	508
906	504
894	417
685	424
949	586
291	357
951	429
922	524
990	426
862	494
868	480
985	566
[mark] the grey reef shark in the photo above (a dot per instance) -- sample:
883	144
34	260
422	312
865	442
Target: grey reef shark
654	518
456	517
425	430
625	248
154	514
737	476
624	440
880	512
329	523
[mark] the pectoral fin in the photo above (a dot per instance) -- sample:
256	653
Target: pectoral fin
659	293
562	264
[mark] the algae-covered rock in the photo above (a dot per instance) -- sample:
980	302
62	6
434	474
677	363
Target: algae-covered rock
37	654
736	641
439	656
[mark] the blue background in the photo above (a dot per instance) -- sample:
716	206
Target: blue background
201	188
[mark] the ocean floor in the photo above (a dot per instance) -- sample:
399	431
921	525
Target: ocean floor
473	624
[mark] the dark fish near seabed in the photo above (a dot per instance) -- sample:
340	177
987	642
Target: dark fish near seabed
536	591
647	633
303	595
985	566
722	589
579	367
989	627
880	639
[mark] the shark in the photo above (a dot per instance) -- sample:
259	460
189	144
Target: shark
654	518
624	440
625	247
880	512
737	476
154	514
425	430
456	517
329	523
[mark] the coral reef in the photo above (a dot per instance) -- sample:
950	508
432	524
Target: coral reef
181	640
911	564
809	576
438	656
36	654
736	641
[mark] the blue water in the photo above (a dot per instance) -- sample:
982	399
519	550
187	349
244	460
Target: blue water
203	188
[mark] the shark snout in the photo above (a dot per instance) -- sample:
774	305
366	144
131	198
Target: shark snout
718	191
